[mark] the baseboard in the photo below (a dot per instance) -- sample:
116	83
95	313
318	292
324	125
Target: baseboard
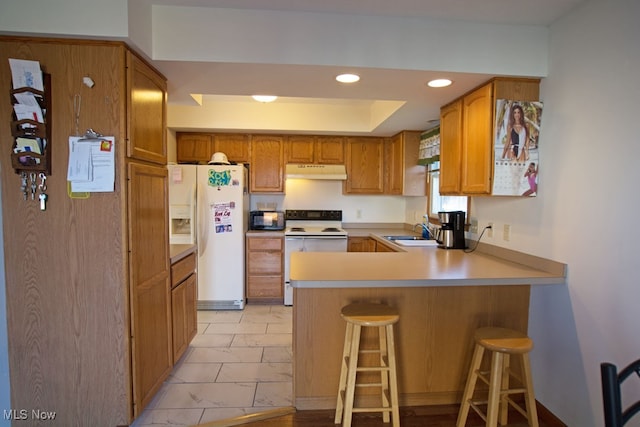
250	418
549	418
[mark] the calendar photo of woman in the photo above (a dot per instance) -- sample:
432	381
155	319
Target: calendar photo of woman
517	127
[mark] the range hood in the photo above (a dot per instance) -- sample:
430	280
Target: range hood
329	172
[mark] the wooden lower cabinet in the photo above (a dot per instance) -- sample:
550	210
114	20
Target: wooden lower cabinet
184	296
265	270
361	244
381	247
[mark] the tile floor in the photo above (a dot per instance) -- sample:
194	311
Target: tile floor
239	363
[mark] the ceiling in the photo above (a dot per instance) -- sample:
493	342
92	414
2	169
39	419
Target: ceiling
399	97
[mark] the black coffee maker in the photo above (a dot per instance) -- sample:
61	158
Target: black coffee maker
451	234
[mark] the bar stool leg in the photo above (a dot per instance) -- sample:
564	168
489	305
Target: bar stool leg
384	376
478	352
497	360
530	400
351	376
393	377
504	403
346	349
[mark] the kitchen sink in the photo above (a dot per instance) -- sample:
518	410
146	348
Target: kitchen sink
404	238
411	240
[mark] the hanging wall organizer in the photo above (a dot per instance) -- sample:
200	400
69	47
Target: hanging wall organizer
31	151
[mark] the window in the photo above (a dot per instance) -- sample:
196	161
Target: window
436	202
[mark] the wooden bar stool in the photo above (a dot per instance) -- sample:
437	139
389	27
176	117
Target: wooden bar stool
383	317
503	343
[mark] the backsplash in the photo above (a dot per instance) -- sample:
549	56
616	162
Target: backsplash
318	194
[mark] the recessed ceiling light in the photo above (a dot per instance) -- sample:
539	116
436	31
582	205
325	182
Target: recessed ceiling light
439	83
264	98
348	78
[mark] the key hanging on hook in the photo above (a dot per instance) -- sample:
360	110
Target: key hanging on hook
23	184
43	187
34	185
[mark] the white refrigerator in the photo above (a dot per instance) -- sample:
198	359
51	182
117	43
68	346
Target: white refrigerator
221	210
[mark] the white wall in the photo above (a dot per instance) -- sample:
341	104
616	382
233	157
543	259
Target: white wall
97	18
585	212
318	194
203	34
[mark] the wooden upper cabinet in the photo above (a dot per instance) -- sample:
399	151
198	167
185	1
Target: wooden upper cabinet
330	150
267	159
450	147
364	160
193	147
307	149
393	165
235	146
477	123
404	175
199	147
300	149
466	135
147	109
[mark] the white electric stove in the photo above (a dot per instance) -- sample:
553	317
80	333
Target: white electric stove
311	231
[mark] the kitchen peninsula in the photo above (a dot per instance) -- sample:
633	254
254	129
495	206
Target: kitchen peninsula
442	296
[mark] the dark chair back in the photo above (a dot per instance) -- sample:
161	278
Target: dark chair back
614	414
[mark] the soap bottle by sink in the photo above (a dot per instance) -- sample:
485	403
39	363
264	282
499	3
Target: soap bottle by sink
425	227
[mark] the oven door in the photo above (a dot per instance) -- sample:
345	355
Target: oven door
307	244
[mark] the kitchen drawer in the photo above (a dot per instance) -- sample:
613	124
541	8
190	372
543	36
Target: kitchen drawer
264	262
265	243
180	270
265	287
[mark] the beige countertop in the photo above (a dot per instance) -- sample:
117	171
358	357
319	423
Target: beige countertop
177	252
421	266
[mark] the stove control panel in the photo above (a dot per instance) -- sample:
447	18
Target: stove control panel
311	215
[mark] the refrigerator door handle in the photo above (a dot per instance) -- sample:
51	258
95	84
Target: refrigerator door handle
201	204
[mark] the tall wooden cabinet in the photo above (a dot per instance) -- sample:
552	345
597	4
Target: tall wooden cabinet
87	280
466	135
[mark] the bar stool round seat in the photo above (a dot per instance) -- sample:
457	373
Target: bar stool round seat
382	317
502	343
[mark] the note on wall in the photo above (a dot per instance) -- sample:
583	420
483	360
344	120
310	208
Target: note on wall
91	164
